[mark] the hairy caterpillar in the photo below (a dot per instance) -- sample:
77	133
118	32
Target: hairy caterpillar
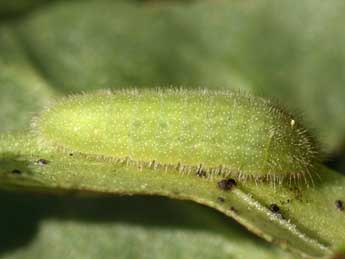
218	132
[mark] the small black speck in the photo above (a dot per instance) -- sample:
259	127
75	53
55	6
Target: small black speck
340	205
16	171
220	199
42	162
233	210
201	173
70	154
274	208
226	184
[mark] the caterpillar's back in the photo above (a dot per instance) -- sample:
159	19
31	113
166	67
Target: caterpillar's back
222	132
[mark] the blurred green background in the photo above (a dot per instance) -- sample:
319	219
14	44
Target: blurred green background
291	51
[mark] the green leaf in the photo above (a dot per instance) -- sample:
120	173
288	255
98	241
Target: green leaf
14	8
293	50
23	92
309	223
121	227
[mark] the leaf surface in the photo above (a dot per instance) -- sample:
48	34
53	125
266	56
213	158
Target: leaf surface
308	222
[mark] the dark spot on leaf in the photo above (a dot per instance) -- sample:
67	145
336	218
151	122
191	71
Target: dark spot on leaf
340	205
233	210
201	173
274	208
226	184
70	154
220	199
16	171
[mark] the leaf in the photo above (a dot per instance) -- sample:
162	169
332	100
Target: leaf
14	8
293	50
121	227
199	44
309	223
23	91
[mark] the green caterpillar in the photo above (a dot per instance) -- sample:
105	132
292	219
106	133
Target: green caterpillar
220	133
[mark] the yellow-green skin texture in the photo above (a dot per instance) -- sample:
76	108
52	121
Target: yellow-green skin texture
209	133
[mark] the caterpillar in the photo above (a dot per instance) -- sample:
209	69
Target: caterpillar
210	133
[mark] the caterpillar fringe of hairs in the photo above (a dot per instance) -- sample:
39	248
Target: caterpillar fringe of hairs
202	132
